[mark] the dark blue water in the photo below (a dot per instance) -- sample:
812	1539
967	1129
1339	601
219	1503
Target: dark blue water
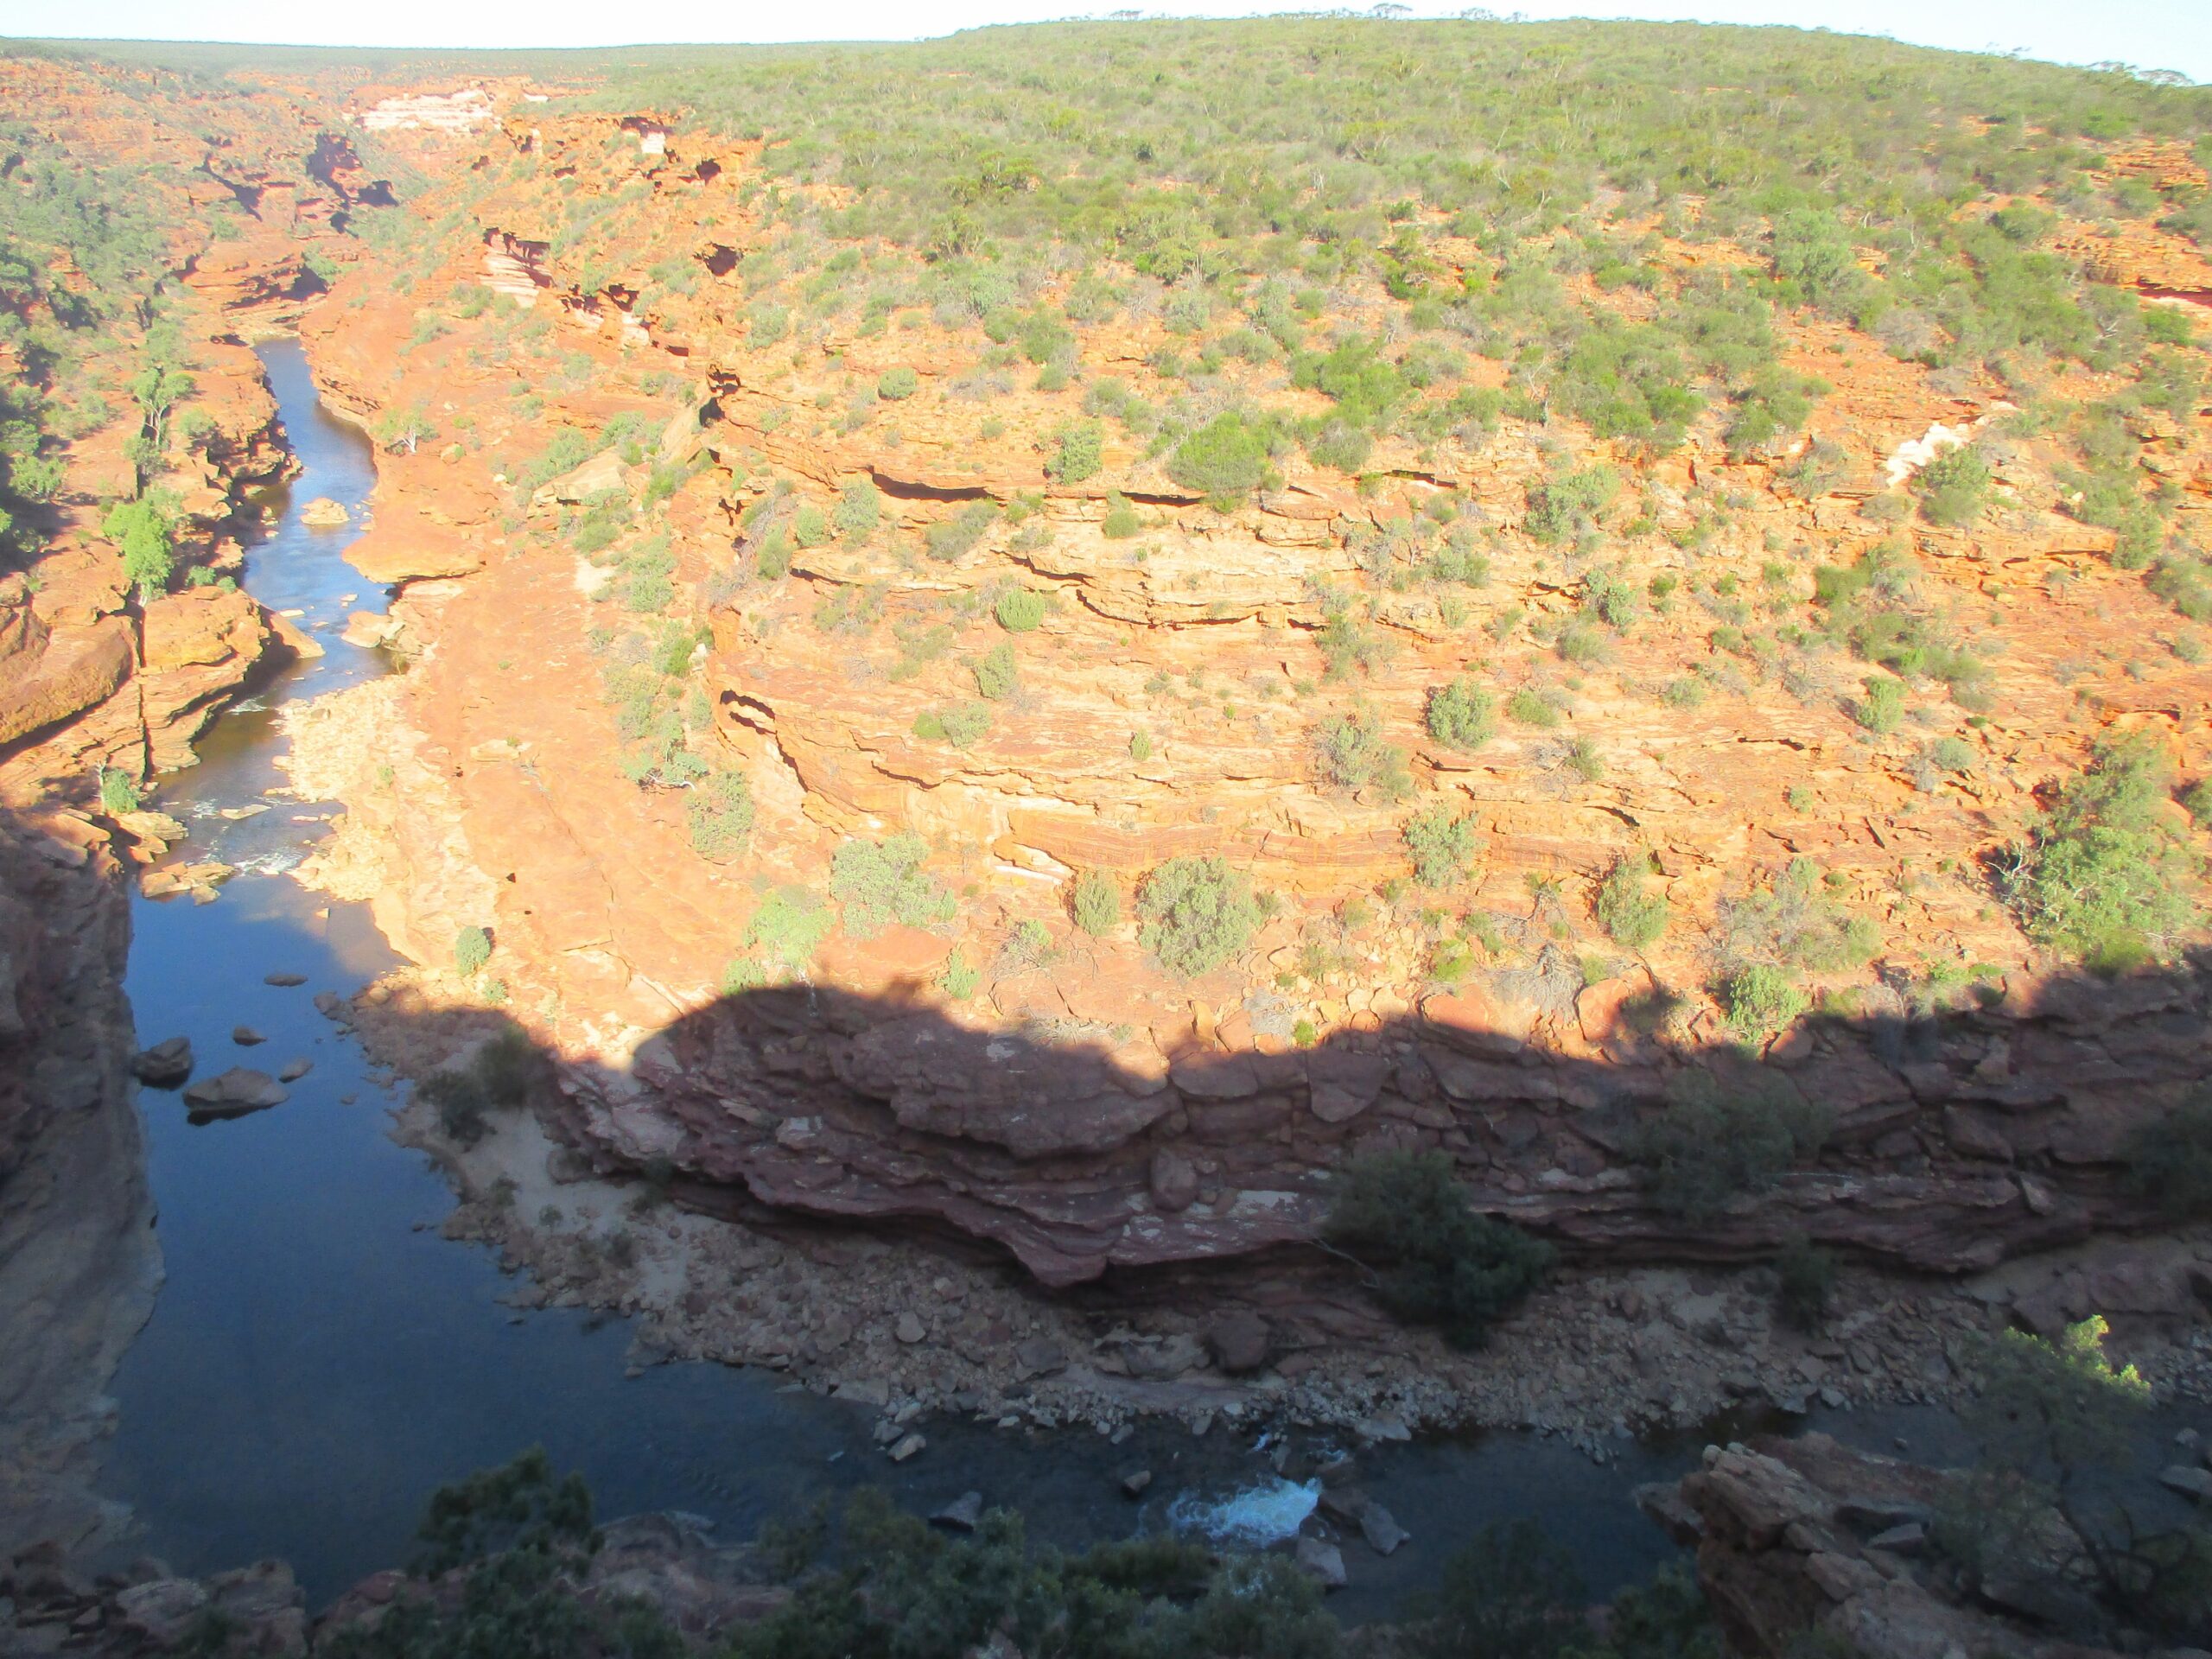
320	1360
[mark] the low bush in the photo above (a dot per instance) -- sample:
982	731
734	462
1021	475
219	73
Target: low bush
1096	903
1439	1264
2170	1160
948	539
2103	880
1712	1145
1121	522
786	930
1020	610
1882	706
1194	914
1461	715
472	949
858	509
961	724
898	383
718	811
881	882
996	673
1632	917
1954	487
1441	845
1760	999
1226	459
1353	755
1806	1274
1080	455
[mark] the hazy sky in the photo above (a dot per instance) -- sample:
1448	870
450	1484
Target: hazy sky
2150	34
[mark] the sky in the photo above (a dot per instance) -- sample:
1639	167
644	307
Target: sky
2148	33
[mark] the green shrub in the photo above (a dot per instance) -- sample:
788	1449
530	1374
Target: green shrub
1439	1264
773	558
144	532
1954	486
1512	1593
1352	755
1441	845
1531	708
1882	706
808	527
1195	914
1460	714
472	949
898	383
1081	453
2170	1160
1098	903
1226	459
1020	610
1121	522
1710	1146
118	794
1761	999
788	929
948	539
996	673
1633	918
880	883
2103	879
1563	506
2195	800
961	977
720	813
961	724
860	507
1806	1275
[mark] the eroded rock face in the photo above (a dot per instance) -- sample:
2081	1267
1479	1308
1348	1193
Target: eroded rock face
1793	1534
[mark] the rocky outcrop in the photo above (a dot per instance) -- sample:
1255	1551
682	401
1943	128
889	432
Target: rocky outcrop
78	1258
1803	1533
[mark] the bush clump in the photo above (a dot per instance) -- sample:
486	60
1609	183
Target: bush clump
1226	459
2102	879
1353	755
1196	913
1122	521
881	882
961	724
1080	455
1807	1282
2170	1160
1098	903
1461	715
720	815
1632	917
1020	610
472	949
1954	486
996	673
1761	999
1441	845
898	383
1439	1264
860	508
1713	1145
948	539
501	1075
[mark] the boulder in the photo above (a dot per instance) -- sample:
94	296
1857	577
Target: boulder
962	1514
1323	1561
167	1064
234	1093
323	513
1239	1342
247	1036
1381	1530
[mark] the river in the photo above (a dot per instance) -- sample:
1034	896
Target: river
320	1360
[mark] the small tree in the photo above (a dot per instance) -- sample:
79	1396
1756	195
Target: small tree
144	532
1441	845
859	509
996	673
720	815
1439	1264
1081	453
1633	918
1098	903
1196	913
472	949
1461	715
